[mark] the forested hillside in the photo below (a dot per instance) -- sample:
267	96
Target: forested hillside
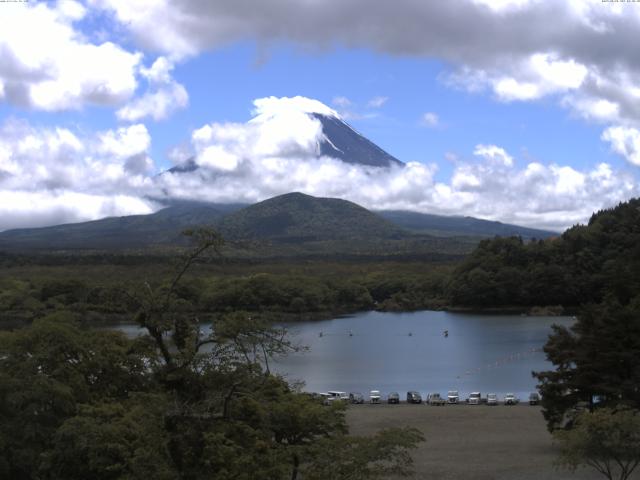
579	267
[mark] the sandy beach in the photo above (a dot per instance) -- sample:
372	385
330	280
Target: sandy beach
472	442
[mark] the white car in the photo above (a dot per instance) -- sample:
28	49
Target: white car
453	397
511	399
344	396
492	399
374	396
474	398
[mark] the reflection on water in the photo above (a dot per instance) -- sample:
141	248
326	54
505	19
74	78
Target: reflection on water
410	351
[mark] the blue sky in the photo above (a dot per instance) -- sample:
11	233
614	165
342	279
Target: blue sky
537	126
223	84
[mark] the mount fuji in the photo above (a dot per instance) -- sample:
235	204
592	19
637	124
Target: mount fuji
298	126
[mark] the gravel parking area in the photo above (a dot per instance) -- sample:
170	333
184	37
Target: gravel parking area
472	442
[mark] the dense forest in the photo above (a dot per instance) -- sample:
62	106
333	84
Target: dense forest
596	363
288	290
178	402
576	268
76	402
581	266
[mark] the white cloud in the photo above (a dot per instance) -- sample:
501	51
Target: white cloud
265	157
46	64
24	209
430	119
125	141
593	108
163	97
272	107
377	102
56	172
503	5
494	154
181	29
531	78
157	104
511	89
580	52
159	71
58	175
342	102
624	141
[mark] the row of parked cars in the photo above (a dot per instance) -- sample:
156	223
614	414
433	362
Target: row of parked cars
453	398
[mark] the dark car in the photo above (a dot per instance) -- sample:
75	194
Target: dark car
414	397
393	398
534	399
356	397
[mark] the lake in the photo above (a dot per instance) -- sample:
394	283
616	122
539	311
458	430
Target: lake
408	351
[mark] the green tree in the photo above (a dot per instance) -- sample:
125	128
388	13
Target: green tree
47	371
595	360
606	440
115	440
177	402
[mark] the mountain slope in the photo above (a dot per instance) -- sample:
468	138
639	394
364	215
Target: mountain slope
136	231
441	225
290	224
338	140
296	217
344	143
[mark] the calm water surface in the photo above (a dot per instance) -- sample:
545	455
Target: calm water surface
374	350
408	351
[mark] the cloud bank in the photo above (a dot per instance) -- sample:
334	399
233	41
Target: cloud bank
47	63
509	49
55	175
51	175
277	152
580	53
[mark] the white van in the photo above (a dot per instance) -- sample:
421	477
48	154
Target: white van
474	398
335	395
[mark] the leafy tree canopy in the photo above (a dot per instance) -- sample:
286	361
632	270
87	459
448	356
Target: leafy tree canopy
605	440
178	402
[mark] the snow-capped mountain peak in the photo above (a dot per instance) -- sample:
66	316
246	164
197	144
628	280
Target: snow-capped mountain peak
269	107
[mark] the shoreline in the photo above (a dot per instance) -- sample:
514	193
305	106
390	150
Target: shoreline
104	320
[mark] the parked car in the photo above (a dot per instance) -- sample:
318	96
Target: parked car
436	400
356	397
492	399
393	397
474	398
511	399
344	396
534	398
414	397
453	397
326	398
374	396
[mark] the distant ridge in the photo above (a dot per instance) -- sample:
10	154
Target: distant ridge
116	233
441	225
293	223
296	217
